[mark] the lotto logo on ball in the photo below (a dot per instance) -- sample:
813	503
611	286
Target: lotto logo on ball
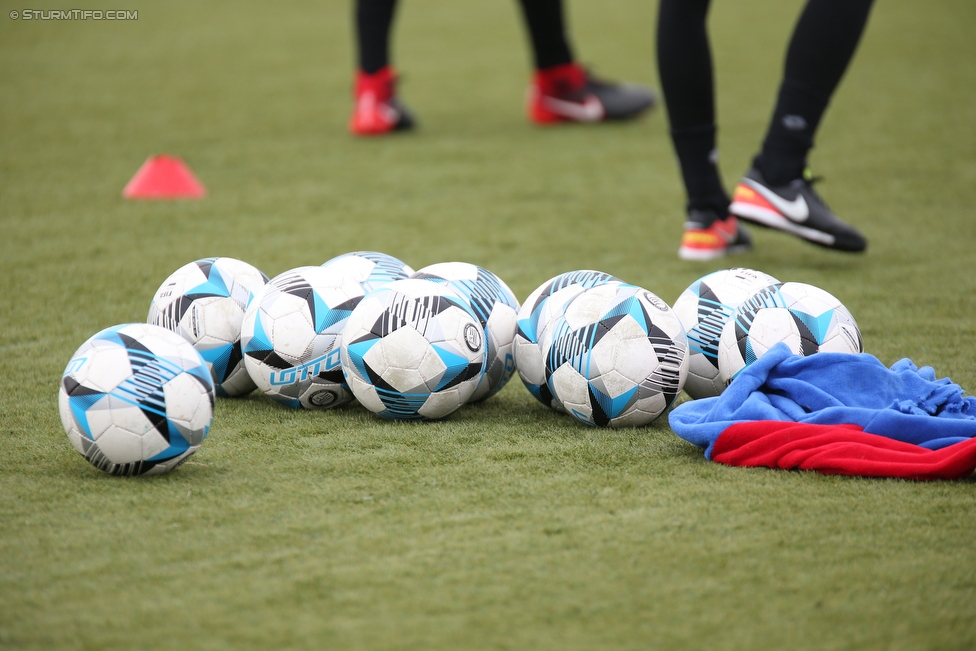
325	363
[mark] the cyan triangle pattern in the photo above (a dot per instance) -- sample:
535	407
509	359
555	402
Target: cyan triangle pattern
214	286
110	334
750	353
456	364
632	306
613	407
529	325
259	340
218	356
79	408
177	445
320	312
357	351
818	325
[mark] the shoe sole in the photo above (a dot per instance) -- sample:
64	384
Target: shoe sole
704	255
541	114
382	131
537	118
771	219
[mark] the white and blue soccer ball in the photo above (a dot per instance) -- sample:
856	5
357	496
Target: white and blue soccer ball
542	306
413	350
703	309
616	357
371	269
204	302
805	318
291	333
496	307
136	399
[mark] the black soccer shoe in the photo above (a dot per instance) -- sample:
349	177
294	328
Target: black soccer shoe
795	208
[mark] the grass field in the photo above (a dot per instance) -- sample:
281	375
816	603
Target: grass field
505	526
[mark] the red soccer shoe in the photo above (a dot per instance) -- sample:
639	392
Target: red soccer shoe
569	93
377	110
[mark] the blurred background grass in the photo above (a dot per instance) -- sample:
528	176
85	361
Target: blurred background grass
505	526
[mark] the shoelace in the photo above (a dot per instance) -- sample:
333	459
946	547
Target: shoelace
810	180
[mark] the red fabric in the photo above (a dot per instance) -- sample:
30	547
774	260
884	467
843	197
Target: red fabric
839	450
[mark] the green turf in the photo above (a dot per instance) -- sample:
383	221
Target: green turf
505	526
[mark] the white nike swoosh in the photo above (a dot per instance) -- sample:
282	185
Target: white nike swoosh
796	210
591	110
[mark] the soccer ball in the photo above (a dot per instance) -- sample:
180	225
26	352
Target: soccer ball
136	399
291	333
496	308
204	302
806	318
370	268
703	309
541	307
617	357
413	350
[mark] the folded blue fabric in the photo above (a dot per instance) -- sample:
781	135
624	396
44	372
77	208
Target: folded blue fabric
905	403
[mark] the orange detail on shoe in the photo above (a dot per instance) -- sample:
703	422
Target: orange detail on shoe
745	194
701	239
372	113
716	237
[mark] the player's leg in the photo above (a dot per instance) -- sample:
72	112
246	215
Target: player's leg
685	67
562	90
778	191
376	110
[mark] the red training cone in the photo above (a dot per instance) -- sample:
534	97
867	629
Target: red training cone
164	177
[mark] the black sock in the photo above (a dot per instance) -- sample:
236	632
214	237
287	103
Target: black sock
547	32
822	45
790	135
684	62
373	20
698	159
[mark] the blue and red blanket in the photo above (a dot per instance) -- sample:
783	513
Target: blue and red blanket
836	414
